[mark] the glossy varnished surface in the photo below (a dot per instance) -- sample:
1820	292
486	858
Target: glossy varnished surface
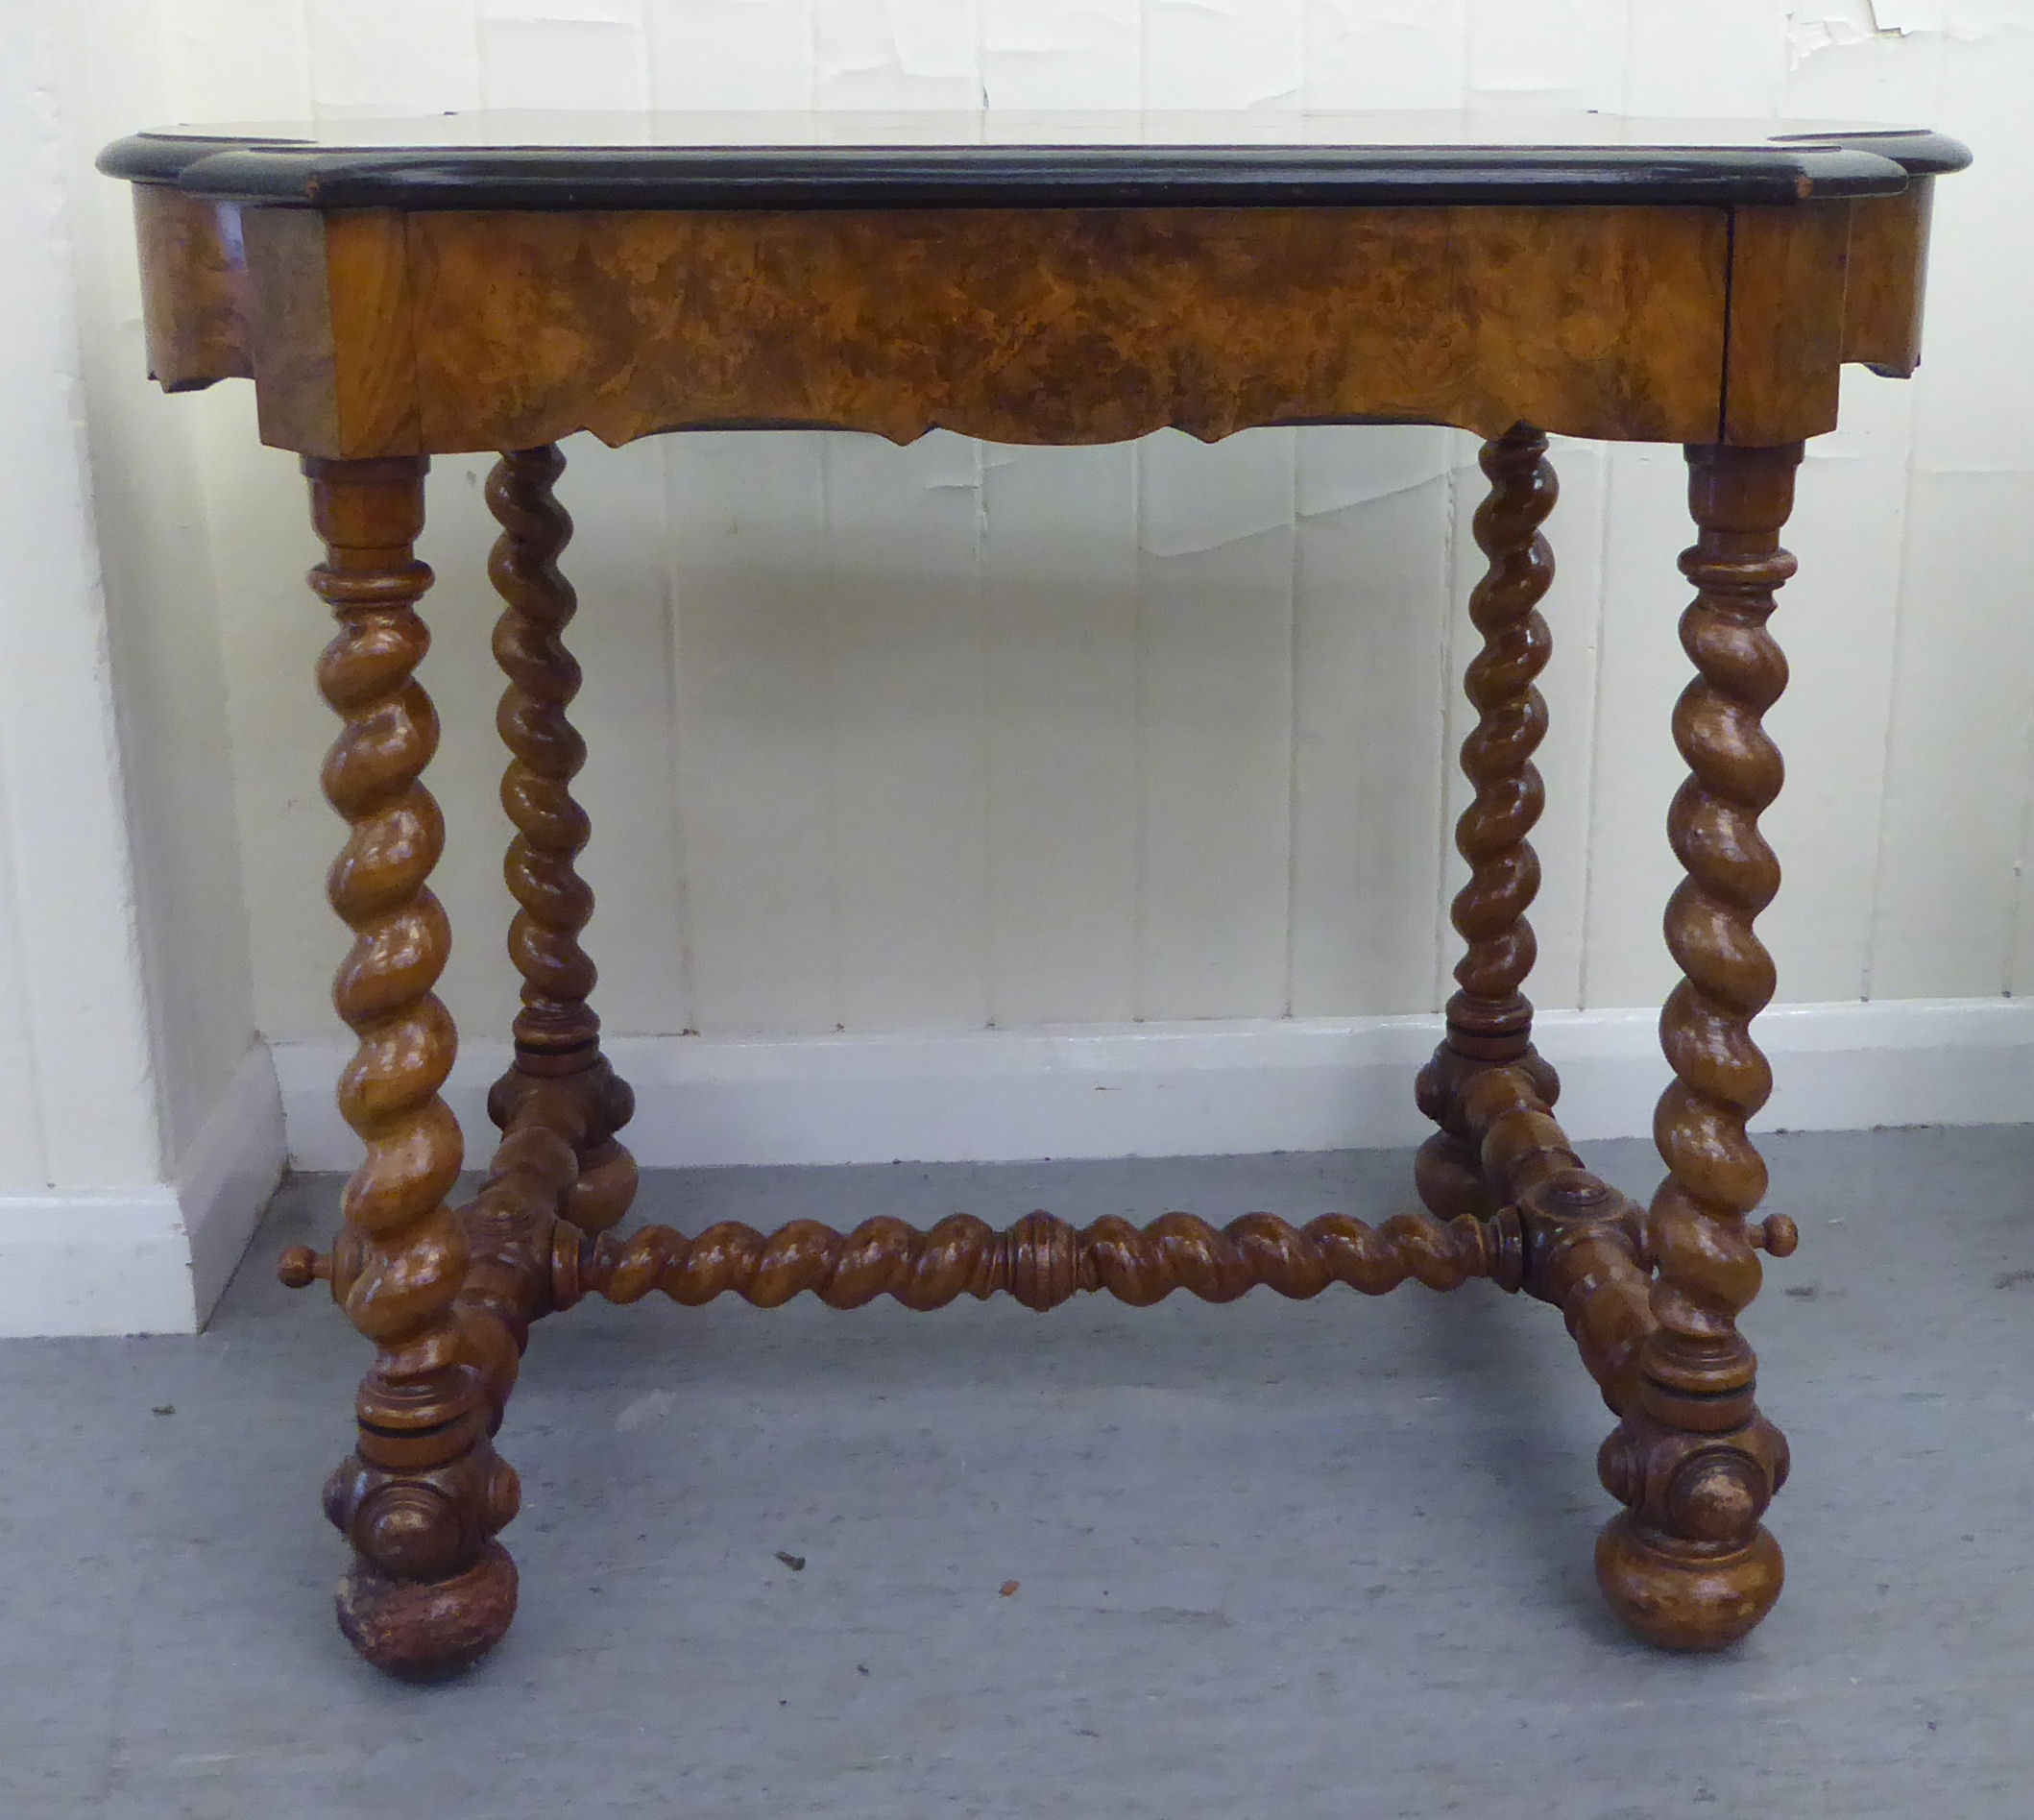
382	325
1066	326
453	314
1122	159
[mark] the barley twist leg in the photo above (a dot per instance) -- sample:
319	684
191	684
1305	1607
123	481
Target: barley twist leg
424	1493
1490	1021
1688	1564
558	1056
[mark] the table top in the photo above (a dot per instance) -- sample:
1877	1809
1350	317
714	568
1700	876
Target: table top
1005	158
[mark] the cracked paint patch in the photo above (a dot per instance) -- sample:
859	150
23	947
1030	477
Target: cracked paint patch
1826	25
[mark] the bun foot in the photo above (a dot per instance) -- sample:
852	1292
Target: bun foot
426	1630
1684	1596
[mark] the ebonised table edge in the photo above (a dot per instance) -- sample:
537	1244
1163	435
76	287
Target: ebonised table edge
291	173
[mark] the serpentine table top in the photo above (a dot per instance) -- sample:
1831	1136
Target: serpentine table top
475	282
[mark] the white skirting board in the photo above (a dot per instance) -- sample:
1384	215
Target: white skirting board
1206	1089
153	1258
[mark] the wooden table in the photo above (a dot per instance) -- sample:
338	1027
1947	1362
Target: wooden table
494	282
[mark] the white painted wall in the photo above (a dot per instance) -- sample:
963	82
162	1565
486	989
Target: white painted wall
77	1088
139	1119
151	516
952	736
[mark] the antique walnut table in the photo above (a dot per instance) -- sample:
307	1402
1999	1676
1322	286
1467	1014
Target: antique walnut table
496	282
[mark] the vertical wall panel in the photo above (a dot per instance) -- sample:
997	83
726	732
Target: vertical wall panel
1061	53
461	609
591	56
756	769
1215	653
1956	776
1372	611
564	12
1723	58
1568	756
1557	53
1972	406
731	53
272	629
24	1154
1223	53
150	513
1059	584
394	57
1953	886
896	54
237	59
1841	67
1835	623
78	963
911	748
1360	54
1641	668
969	733
619	564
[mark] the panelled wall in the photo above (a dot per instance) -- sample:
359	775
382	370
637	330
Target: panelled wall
140	1126
954	736
77	1095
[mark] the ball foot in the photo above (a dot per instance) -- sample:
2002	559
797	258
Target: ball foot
419	1630
1684	1596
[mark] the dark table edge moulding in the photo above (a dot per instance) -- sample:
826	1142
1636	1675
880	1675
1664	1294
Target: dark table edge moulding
292	172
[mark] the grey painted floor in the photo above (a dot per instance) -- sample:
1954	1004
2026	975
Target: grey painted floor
1271	1559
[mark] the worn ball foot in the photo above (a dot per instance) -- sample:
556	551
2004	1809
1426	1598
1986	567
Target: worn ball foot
1686	1600
426	1630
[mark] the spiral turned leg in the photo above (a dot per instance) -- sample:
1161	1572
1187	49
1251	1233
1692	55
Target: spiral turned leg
1688	1564
558	1059
1490	1021
424	1493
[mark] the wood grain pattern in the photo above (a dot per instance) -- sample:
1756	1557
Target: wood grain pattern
193	288
292	339
331	329
376	337
424	1493
373	332
1787	279
1042	1261
1885	271
557	1032
1067	325
1688	1564
1490	1020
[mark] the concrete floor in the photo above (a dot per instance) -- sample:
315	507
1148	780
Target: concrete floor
1271	1559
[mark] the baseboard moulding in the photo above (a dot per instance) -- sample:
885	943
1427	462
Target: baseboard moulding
1205	1088
155	1258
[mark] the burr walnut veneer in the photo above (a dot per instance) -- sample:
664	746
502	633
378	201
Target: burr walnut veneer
497	283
